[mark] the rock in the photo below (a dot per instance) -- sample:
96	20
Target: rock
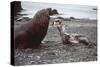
94	8
38	57
72	17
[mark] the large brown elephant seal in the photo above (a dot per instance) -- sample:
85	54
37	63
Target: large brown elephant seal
30	35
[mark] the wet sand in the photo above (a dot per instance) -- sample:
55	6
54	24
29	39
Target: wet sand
53	51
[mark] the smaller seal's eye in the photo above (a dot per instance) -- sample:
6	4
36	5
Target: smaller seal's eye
57	21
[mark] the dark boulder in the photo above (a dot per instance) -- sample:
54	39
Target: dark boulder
72	17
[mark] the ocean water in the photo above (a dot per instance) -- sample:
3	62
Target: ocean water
66	10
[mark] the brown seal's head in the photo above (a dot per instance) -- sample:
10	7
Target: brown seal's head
49	11
52	11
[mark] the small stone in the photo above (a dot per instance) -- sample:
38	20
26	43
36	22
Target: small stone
38	57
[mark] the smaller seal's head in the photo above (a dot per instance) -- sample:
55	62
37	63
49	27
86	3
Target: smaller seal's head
57	22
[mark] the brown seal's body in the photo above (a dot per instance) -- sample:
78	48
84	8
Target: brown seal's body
31	34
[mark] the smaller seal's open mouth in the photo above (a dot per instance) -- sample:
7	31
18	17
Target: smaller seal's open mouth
58	24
